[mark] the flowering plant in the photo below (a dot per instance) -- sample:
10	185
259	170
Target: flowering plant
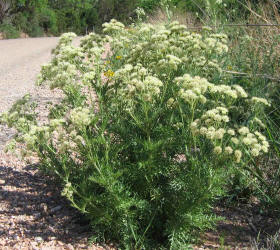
146	132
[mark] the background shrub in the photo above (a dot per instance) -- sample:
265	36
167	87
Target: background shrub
83	16
9	31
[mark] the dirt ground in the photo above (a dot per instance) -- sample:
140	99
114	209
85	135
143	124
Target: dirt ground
245	226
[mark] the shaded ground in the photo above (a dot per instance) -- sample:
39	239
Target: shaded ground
245	226
34	215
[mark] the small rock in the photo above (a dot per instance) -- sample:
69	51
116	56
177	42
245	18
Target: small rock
34	245
23	35
60	243
37	215
55	209
38	239
70	247
2	182
16	237
44	206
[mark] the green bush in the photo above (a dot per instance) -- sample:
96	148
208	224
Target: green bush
32	25
21	22
36	31
9	31
143	142
48	21
148	5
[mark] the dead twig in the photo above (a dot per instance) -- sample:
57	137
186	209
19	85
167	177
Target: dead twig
251	75
238	25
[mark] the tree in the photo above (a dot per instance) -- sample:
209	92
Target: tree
5	7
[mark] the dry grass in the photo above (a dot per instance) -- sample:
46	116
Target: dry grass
264	38
160	16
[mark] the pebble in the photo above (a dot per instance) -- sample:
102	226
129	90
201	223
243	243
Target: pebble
2	182
16	237
37	215
55	209
44	206
60	243
38	239
34	245
70	247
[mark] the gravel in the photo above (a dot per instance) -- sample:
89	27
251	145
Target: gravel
20	62
33	215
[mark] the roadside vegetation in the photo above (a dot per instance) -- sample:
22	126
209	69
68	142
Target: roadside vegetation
48	17
162	120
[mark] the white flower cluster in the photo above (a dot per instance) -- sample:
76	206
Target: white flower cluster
54	123
212	43
233	92
192	89
112	26
258	122
80	117
256	142
65	132
93	48
146	28
66	39
140	12
170	62
63	69
176	27
216	116
64	73
89	77
34	134
227	140
211	124
69	53
89	41
260	100
136	81
64	136
170	47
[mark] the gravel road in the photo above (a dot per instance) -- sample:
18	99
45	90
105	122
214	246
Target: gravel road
20	61
33	215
